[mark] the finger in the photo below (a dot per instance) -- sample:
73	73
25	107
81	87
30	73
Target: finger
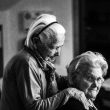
84	101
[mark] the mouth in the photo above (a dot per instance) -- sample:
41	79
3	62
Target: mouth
92	93
51	59
96	89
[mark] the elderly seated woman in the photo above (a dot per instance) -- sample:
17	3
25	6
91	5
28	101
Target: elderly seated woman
86	73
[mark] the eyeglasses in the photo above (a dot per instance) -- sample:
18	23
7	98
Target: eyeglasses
99	80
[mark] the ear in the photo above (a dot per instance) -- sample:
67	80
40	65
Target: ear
78	77
35	41
67	66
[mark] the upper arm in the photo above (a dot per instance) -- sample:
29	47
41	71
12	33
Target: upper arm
29	87
28	83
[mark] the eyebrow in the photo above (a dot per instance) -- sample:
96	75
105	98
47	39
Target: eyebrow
94	76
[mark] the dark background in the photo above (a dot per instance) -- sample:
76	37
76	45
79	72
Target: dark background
94	35
94	17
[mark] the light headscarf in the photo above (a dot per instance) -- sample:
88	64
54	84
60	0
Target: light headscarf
45	19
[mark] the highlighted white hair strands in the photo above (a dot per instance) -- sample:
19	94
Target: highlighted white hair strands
45	19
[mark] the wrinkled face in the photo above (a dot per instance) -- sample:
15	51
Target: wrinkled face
49	50
54	49
51	41
91	82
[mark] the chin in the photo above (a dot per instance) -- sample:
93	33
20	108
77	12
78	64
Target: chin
91	96
52	60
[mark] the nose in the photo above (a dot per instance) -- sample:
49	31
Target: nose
57	53
96	84
58	50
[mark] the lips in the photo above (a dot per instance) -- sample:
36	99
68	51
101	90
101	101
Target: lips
93	93
51	59
94	89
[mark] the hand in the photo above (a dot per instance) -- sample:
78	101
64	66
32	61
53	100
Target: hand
92	106
79	95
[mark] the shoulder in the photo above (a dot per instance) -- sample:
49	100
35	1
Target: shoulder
18	59
73	104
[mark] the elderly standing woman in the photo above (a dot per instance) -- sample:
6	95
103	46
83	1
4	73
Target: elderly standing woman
86	73
30	81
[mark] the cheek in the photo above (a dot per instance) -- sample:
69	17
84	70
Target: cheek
85	85
51	53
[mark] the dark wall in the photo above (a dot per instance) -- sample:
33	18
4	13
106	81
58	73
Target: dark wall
95	27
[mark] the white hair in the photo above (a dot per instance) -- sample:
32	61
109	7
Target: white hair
89	58
40	23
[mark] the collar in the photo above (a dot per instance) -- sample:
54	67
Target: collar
43	64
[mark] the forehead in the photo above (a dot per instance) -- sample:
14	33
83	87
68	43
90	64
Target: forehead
94	71
59	34
60	40
59	31
58	28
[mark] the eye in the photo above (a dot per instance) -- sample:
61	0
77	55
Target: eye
100	80
58	47
50	46
90	78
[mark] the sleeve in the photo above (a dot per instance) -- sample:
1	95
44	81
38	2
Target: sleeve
30	91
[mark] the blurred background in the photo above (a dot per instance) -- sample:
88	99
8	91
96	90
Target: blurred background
87	24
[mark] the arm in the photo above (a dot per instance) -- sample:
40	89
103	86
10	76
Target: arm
76	98
29	86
